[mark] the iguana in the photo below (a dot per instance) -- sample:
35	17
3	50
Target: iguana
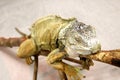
62	37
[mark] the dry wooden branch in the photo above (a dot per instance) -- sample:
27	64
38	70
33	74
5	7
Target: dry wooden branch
35	67
11	42
111	56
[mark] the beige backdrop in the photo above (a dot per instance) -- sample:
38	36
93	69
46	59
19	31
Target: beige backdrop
103	14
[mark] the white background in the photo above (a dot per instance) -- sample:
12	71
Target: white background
104	15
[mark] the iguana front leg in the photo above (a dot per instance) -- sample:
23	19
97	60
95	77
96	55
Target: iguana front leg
54	59
26	50
86	62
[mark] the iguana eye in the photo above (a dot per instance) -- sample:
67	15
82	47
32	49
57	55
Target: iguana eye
79	26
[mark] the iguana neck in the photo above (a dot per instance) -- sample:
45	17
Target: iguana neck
63	33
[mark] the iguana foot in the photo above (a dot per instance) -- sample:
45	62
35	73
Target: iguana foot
86	62
29	60
73	73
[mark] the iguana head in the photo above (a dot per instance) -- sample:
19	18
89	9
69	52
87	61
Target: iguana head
79	38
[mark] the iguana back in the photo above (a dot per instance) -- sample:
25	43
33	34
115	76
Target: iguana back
45	31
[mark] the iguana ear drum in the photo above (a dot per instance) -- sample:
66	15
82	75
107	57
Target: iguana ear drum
27	48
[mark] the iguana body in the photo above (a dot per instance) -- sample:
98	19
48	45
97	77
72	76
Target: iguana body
45	31
62	37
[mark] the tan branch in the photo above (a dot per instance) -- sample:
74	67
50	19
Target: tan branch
110	57
11	42
35	67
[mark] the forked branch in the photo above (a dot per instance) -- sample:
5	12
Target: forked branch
107	56
111	56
